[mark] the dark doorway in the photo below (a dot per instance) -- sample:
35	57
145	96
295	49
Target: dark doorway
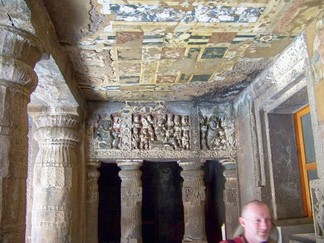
215	208
109	204
162	211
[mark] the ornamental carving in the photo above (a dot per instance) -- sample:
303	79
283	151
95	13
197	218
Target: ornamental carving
213	133
157	130
131	196
107	131
194	195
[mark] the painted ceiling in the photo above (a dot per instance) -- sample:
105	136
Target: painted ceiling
175	50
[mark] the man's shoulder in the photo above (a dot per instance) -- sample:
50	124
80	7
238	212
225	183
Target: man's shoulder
238	239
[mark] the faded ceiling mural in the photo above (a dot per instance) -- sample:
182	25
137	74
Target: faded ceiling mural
174	50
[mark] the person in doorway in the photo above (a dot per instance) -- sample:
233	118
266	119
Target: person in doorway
256	223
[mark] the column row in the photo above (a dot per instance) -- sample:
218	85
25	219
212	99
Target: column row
193	196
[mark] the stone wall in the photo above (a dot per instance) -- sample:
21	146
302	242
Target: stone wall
277	84
315	41
283	80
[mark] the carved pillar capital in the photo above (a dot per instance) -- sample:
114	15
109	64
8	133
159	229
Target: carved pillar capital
189	165
129	164
56	128
19	53
230	172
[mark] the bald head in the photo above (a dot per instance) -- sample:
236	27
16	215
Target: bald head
256	222
250	205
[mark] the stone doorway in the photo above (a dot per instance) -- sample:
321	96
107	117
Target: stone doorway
162	211
109	204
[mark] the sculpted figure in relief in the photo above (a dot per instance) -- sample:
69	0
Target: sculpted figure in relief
116	132
170	140
160	130
159	127
144	139
212	134
203	133
150	127
135	138
178	130
104	133
185	140
185	128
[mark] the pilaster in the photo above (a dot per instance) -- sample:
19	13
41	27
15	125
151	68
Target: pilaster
54	213
131	201
230	196
193	197
92	201
19	51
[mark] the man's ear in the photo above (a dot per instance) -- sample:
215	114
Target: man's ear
242	221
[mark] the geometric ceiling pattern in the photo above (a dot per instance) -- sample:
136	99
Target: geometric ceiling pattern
174	50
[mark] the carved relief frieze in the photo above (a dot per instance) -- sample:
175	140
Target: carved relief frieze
156	131
125	128
216	130
160	131
213	133
106	131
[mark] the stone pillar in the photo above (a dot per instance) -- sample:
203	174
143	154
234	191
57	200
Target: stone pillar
230	197
131	201
19	52
55	210
92	201
193	198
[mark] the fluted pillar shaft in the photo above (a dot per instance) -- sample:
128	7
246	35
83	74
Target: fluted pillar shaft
92	201
55	179
193	198
19	52
131	201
